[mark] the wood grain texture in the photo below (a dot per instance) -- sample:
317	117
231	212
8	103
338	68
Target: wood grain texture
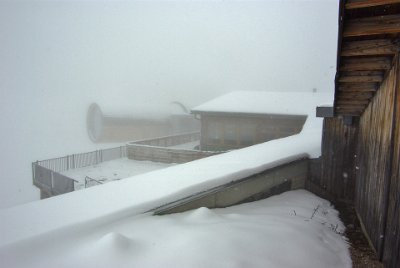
372	26
354	4
373	162
369	48
357	87
361	79
338	149
366	64
391	256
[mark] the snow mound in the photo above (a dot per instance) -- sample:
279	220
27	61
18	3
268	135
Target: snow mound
202	214
115	241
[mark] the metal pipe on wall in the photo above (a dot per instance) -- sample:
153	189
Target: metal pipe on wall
103	128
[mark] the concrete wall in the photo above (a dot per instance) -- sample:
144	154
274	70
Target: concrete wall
273	181
163	154
157	150
171	140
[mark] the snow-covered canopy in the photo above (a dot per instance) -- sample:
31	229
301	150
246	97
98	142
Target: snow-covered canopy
265	102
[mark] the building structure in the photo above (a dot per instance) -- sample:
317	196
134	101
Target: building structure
361	142
243	118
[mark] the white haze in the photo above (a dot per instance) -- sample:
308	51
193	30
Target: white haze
58	57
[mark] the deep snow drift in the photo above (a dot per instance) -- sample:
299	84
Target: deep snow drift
295	229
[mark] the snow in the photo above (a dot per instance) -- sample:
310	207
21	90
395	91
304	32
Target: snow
264	102
106	226
131	196
186	146
112	170
294	229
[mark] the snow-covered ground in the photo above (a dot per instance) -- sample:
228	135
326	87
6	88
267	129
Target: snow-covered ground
188	146
119	168
295	229
112	170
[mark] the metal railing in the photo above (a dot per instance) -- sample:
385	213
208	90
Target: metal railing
46	173
89	182
83	159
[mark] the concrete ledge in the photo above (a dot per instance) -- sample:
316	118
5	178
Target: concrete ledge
273	181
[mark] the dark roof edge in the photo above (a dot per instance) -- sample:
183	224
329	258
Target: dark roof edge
341	14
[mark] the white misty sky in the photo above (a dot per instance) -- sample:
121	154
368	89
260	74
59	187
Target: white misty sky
56	57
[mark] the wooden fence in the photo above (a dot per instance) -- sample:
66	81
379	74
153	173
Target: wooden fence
360	164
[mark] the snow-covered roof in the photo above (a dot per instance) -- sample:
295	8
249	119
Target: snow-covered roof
265	102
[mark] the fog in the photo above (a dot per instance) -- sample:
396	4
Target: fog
56	58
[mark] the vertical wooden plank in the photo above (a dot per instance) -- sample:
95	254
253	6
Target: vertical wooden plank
337	166
373	162
391	256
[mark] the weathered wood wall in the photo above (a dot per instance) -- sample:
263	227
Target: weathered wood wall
361	163
391	254
338	151
373	162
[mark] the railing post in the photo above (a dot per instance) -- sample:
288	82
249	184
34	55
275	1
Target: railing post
73	161
33	171
52	181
